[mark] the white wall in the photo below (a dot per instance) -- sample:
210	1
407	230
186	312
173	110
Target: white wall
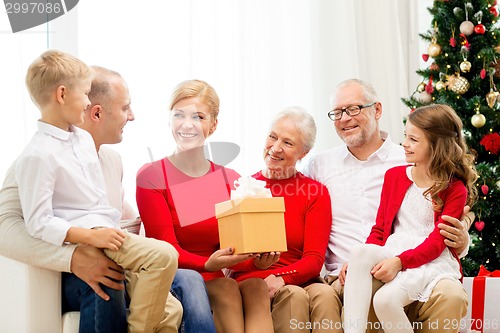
260	55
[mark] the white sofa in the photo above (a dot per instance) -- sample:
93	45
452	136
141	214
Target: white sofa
31	300
30	297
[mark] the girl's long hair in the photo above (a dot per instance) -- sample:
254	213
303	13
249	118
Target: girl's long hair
449	156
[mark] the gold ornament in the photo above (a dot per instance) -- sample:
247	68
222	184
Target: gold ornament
440	85
478	120
450	79
465	66
459	84
421	87
491	98
434	49
497	49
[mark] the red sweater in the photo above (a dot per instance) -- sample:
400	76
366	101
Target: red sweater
396	183
166	197
308	218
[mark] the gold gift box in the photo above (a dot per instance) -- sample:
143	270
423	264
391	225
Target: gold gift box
252	225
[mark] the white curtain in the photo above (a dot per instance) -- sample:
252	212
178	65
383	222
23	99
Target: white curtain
260	55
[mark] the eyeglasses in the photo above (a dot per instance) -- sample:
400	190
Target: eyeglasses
352	110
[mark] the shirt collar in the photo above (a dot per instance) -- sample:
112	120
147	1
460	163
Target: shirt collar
56	132
382	153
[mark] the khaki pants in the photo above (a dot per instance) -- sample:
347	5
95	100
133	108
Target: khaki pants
304	310
150	267
442	313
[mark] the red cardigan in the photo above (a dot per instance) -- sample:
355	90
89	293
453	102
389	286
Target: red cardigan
396	183
308	219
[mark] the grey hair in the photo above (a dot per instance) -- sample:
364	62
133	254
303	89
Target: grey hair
304	122
369	92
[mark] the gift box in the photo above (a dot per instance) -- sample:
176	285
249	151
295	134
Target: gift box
483	314
252	225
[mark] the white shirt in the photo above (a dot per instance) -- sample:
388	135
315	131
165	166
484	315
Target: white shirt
112	169
15	242
61	184
355	188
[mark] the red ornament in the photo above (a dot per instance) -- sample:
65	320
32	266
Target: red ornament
425	56
491	142
494	11
428	87
453	42
480	29
479	225
484	189
482	73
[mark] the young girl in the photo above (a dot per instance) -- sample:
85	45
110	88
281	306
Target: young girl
405	249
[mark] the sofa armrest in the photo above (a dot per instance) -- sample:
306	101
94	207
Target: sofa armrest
31	298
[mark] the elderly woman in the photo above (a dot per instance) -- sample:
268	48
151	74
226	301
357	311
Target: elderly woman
176	197
307	222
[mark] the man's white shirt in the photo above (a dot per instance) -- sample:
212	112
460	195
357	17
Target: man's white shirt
354	188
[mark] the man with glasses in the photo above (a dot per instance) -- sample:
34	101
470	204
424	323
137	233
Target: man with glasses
354	173
352	110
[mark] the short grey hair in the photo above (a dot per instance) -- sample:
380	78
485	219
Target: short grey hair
304	122
369	92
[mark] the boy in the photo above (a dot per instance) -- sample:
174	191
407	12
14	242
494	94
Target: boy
62	188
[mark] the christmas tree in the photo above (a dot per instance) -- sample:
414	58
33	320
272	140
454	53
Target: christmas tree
463	72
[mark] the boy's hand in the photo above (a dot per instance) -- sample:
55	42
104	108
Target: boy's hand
107	238
265	260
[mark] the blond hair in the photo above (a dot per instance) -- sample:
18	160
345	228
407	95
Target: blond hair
197	89
52	69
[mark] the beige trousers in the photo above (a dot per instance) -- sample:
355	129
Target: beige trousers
304	310
445	308
318	308
150	267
